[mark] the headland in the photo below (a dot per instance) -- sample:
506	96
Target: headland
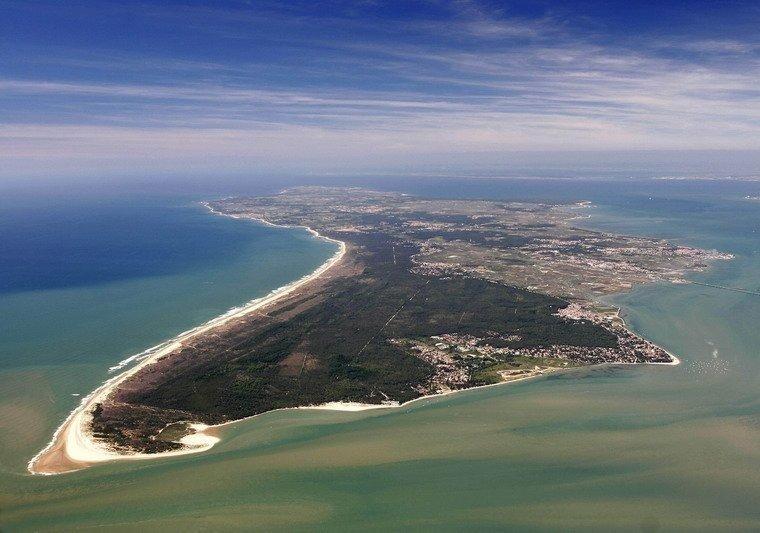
423	297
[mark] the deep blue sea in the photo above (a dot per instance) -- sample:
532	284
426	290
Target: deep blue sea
87	280
89	276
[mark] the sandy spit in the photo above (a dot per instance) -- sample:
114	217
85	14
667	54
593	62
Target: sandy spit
73	446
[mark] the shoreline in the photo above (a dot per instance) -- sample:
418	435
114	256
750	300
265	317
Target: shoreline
200	441
72	443
358	406
74	446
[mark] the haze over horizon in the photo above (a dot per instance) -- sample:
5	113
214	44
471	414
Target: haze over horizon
111	89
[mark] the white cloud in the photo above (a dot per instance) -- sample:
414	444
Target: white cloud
517	90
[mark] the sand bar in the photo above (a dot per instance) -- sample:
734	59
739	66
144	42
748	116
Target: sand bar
73	446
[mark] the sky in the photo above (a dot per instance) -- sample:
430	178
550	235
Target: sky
216	88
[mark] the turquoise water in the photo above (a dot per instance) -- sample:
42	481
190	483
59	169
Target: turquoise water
632	448
105	278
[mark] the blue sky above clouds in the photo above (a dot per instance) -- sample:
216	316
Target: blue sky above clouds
137	87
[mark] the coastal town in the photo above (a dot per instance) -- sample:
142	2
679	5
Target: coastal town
423	297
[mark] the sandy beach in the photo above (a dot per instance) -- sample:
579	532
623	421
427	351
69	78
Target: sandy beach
73	447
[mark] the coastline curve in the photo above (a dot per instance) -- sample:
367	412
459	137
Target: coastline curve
72	447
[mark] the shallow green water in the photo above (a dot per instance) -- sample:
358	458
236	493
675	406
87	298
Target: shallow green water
58	342
638	448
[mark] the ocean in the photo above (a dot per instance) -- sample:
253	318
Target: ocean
86	282
88	279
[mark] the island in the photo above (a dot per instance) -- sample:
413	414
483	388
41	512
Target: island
422	297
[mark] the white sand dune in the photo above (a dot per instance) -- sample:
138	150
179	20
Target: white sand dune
73	446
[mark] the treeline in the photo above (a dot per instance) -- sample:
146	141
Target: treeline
334	346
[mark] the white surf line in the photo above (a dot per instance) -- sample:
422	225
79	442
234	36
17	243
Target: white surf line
348	406
81	441
78	442
200	442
